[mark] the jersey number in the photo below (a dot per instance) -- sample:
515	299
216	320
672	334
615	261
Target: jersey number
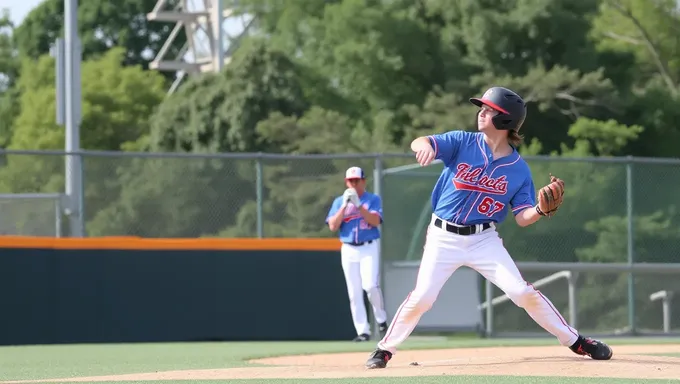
364	225
489	206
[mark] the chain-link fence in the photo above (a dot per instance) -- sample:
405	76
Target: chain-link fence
616	210
180	195
31	214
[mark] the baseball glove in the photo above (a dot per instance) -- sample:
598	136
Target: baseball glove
550	197
350	196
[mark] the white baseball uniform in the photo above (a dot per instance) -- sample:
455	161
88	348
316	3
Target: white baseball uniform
474	192
360	257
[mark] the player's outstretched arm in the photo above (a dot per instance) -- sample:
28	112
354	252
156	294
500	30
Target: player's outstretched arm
425	154
527	217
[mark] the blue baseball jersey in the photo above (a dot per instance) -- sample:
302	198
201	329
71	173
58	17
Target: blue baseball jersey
354	229
474	188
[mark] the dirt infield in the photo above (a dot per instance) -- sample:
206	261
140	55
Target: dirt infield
627	362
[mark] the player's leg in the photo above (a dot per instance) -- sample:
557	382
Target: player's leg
494	262
370	281
351	267
440	259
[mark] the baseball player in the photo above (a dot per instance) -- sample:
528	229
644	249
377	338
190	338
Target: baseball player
356	215
484	178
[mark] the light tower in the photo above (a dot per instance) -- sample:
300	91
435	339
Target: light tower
212	32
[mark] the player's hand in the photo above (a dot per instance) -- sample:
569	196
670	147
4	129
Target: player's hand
352	196
345	197
425	156
355	200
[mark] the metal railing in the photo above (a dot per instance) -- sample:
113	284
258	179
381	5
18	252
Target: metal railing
490	302
665	297
571	272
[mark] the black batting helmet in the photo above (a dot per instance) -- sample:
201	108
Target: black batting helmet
512	108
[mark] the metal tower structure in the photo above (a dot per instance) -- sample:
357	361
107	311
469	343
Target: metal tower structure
212	32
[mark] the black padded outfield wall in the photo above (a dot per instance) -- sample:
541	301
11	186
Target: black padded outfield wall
107	295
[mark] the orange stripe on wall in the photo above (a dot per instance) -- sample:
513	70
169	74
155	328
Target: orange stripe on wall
133	243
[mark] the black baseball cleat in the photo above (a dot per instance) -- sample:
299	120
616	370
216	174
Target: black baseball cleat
378	359
595	349
362	337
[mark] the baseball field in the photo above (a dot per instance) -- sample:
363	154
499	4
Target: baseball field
422	360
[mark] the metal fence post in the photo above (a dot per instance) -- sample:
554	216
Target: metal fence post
260	198
489	309
631	257
57	217
378	175
73	104
377	189
573	310
81	198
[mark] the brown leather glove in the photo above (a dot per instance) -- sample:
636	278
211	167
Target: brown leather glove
550	197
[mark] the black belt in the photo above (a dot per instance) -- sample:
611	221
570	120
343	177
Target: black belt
362	243
466	230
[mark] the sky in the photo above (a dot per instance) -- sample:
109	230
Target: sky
18	9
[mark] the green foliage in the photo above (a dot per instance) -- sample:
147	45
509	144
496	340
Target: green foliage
607	137
117	101
102	25
9	66
9	74
167	197
219	112
646	29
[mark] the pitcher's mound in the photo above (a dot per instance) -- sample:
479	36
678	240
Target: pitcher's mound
627	362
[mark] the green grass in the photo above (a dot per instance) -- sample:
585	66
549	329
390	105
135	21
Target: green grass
56	361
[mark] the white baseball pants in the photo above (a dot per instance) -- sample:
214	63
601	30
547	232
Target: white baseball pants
361	265
444	252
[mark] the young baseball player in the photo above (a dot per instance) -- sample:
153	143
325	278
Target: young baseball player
356	215
484	179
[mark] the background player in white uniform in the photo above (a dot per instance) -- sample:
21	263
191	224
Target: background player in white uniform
484	179
356	215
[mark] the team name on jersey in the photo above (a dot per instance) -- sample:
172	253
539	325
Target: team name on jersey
468	178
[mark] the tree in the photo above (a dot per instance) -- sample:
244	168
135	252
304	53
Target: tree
647	33
102	25
9	74
413	60
209	114
117	101
646	29
298	193
116	104
219	112
9	65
